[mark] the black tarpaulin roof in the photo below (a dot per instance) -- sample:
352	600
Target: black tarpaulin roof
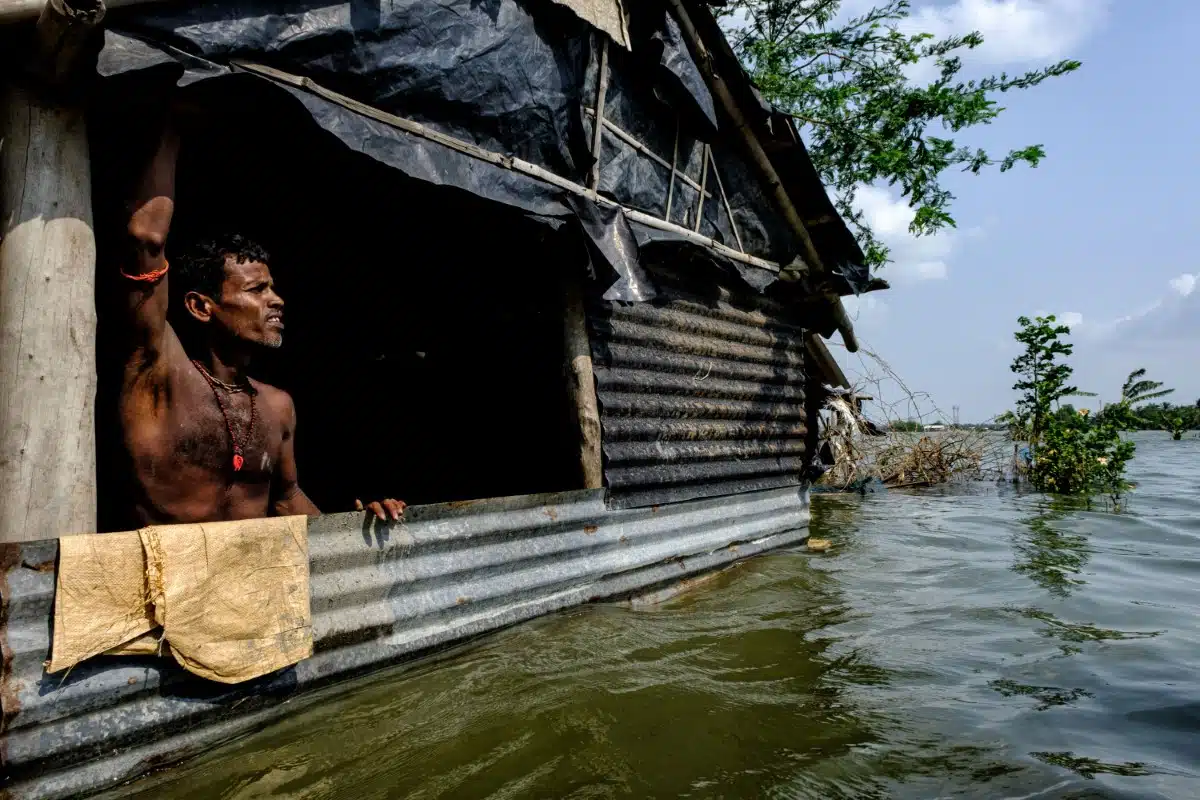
498	98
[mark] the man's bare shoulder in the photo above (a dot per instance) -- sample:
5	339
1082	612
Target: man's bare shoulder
276	400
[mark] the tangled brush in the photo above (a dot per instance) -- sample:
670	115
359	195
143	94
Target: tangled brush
904	459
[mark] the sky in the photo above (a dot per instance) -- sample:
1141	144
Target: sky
1103	234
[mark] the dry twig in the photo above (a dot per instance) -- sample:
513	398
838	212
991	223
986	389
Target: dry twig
900	458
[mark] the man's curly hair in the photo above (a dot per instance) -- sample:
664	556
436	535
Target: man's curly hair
200	267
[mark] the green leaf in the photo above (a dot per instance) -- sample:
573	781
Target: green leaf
846	83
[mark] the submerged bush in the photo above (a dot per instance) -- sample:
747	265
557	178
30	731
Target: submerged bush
1069	453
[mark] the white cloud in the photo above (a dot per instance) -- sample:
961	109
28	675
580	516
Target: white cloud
915	258
1185	284
1014	31
1172	316
1072	319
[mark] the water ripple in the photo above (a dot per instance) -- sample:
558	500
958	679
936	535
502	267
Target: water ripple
968	641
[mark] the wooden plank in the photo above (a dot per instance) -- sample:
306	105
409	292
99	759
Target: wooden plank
47	323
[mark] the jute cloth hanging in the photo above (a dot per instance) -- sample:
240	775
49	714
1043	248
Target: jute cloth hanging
228	600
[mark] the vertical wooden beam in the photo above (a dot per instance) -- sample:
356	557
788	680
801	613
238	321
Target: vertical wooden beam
47	322
581	384
63	31
598	121
703	187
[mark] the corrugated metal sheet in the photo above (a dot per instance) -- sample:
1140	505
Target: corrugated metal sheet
379	595
699	397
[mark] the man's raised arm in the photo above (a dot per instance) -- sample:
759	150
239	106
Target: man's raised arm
144	265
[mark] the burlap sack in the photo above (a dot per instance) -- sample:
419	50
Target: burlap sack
231	598
100	598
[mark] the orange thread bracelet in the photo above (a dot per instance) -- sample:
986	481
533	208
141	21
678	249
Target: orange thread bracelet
148	277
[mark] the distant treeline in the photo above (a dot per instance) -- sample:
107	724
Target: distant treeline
1150	417
1157	416
912	426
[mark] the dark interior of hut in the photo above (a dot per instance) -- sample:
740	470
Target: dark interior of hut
423	346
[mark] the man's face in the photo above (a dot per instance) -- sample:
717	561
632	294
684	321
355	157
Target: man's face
249	309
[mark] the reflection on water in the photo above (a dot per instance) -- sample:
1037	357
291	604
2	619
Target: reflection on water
1047	696
1090	767
1053	558
1055	628
967	643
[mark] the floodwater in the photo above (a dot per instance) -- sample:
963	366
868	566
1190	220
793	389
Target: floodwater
970	642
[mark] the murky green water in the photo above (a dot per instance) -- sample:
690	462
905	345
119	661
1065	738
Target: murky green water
979	644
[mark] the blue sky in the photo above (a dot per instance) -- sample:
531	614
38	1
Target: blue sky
1101	234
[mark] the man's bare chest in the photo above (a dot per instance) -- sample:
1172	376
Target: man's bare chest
196	431
205	436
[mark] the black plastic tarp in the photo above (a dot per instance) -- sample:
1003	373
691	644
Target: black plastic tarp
513	77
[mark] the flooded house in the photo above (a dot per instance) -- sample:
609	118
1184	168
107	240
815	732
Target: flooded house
558	277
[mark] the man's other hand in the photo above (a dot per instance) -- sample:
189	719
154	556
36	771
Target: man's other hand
385	510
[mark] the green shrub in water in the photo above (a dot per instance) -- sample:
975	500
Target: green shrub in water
1072	453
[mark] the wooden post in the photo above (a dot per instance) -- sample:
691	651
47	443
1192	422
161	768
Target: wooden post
47	322
63	31
581	385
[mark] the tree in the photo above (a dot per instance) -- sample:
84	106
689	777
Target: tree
1176	425
1042	378
847	81
1136	390
1069	452
1135	411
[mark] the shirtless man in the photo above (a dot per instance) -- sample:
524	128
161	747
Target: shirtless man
206	441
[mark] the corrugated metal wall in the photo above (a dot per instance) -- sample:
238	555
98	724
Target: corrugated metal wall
699	397
379	596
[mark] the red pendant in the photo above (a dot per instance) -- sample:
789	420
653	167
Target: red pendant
237	462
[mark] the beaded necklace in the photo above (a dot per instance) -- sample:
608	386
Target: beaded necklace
213	384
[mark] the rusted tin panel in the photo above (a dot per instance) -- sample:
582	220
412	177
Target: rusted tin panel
699	397
380	595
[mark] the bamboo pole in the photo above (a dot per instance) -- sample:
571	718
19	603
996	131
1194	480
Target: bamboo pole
23	10
674	162
503	161
47	322
703	187
598	112
581	385
725	200
632	141
762	162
